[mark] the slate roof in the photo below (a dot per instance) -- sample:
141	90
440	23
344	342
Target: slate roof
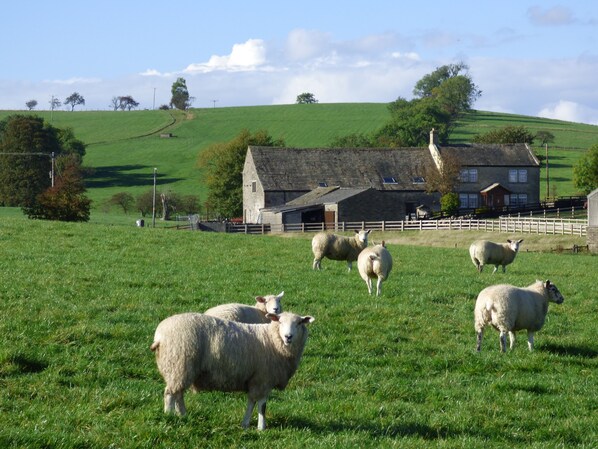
317	197
495	155
284	169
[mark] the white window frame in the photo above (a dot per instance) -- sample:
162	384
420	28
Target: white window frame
469	201
469	175
518	176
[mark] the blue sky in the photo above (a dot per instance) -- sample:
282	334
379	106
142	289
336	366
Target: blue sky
536	58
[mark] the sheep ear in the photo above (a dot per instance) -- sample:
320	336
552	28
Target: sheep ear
509	241
547	283
280	295
260	299
383	243
307	319
520	240
273	316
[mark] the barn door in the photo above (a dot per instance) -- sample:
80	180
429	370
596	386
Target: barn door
329	219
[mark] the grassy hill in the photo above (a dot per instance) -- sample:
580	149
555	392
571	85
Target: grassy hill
124	147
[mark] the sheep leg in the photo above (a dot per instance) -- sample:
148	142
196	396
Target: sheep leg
495	269
479	340
261	414
248	413
503	341
317	265
174	402
369	284
530	340
379	287
350	265
511	340
504	268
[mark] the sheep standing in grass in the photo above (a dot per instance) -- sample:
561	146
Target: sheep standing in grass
510	309
208	353
338	247
483	252
374	262
249	314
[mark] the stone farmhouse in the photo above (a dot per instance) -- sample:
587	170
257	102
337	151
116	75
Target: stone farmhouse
301	185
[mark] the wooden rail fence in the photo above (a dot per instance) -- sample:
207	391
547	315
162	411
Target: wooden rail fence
523	225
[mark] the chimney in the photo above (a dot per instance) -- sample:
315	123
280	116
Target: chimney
433	147
433	137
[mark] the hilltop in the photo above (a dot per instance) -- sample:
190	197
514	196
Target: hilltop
125	147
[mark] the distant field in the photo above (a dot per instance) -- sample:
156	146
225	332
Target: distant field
125	147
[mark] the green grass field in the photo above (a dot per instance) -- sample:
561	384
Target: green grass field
80	302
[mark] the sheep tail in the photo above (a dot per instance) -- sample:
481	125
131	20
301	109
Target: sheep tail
155	345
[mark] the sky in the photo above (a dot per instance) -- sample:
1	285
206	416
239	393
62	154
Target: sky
537	58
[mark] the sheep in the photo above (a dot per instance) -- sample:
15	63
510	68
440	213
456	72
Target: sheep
510	309
249	314
211	354
483	252
374	262
338	247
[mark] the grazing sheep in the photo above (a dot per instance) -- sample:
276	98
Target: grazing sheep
374	262
249	314
338	247
209	353
510	309
483	252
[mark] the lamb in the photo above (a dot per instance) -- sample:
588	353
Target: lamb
249	314
510	309
374	262
338	247
483	252
208	353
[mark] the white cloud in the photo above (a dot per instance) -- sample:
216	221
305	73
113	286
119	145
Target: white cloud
248	56
557	15
571	112
72	81
306	44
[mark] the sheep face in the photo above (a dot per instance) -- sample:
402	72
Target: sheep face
554	295
362	236
514	244
271	303
291	327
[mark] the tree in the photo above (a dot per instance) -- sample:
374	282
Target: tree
127	102
180	95
449	203
145	203
355	140
123	199
54	103
66	201
31	104
74	99
25	175
585	171
545	137
445	180
306	98
223	164
506	135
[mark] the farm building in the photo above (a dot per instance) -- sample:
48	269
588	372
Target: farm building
300	185
593	221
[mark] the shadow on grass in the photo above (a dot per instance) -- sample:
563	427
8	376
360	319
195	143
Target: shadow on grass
575	351
122	176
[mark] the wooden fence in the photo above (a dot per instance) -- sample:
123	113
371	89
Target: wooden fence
522	225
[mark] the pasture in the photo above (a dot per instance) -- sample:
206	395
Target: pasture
80	302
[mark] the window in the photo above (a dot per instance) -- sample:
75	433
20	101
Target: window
253	186
322	184
418	180
469	175
518	175
518	199
468	201
389	180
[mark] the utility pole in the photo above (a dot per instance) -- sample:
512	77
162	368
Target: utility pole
547	176
214	101
154	201
154	104
52	172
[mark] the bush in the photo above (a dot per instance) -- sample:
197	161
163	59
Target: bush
449	203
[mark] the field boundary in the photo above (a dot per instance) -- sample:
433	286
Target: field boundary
522	225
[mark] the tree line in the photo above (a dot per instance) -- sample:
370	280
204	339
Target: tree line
180	99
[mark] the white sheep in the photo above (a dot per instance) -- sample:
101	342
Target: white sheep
208	353
510	309
249	314
374	262
484	252
338	247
